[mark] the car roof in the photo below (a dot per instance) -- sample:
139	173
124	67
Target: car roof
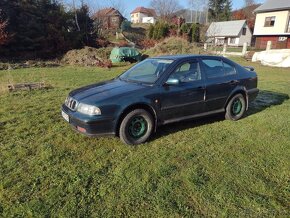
180	57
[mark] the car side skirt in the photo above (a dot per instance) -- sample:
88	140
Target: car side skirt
193	116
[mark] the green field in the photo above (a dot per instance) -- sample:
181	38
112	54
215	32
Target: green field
207	167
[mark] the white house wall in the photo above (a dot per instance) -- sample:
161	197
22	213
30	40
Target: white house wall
138	18
148	20
245	38
279	27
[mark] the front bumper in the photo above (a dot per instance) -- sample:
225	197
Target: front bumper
90	125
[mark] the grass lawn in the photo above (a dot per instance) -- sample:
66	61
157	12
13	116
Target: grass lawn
206	167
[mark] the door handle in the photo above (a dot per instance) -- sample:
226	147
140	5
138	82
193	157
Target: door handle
200	88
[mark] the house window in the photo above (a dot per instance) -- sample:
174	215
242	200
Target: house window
244	32
232	40
114	19
269	21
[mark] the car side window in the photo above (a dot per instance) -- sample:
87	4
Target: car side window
229	69
187	72
213	68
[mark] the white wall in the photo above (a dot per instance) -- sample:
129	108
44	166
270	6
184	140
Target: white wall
148	20
245	38
138	17
279	27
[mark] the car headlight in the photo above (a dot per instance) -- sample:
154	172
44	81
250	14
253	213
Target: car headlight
88	109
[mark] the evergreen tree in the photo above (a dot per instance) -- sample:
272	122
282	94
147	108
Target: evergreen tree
219	10
45	27
226	15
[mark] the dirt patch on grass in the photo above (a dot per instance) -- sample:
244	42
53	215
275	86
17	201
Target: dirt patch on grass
88	56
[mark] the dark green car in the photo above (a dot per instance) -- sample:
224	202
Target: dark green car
158	91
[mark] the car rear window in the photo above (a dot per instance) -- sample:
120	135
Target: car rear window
213	68
217	68
229	69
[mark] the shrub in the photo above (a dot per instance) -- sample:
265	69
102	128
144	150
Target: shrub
195	33
101	42
147	43
123	43
174	45
158	31
126	25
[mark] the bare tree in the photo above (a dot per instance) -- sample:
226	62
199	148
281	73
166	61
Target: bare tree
249	2
165	8
196	6
76	16
247	9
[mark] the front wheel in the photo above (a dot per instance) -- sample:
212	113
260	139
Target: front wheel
136	127
236	107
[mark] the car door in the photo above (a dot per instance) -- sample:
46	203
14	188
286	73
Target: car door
221	79
185	96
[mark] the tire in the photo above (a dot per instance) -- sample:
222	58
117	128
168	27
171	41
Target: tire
236	107
136	127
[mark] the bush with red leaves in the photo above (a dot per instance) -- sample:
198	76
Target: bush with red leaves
123	43
147	43
101	42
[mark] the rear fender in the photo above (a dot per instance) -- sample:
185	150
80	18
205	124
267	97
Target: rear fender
242	90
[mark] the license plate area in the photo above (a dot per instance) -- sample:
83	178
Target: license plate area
65	116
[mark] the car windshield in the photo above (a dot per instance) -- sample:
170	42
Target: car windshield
147	71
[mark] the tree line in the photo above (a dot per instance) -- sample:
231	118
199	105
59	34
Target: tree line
43	28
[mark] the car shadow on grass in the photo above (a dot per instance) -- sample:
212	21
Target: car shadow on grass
265	99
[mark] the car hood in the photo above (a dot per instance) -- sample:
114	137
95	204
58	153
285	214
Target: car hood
105	90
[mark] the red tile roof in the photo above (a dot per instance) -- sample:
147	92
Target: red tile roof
151	12
107	12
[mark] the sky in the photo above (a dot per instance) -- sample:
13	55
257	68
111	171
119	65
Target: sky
130	5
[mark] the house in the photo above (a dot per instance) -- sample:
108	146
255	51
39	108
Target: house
246	13
191	16
273	24
143	15
108	18
233	33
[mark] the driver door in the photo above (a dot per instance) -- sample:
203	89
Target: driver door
185	98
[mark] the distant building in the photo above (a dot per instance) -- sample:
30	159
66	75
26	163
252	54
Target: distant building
273	24
143	15
108	18
233	33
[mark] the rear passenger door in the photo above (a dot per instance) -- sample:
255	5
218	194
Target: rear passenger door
221	79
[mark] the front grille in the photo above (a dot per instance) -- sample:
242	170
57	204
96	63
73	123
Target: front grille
71	103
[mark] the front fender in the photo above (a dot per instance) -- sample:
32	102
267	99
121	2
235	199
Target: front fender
147	105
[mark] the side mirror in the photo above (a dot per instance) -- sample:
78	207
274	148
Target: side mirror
172	81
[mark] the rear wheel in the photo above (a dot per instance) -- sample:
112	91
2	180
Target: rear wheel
136	127
236	107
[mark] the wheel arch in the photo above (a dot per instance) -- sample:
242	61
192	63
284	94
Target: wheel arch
132	107
240	90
